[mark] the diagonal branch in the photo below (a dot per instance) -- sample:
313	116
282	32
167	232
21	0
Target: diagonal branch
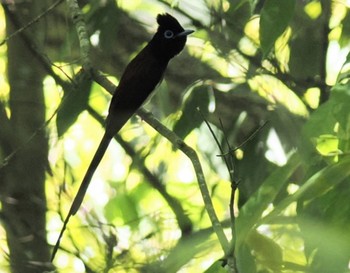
32	22
187	150
83	36
32	46
183	220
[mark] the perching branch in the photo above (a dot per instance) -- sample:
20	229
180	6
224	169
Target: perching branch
171	136
83	36
182	218
79	23
187	150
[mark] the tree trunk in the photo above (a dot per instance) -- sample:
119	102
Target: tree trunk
23	179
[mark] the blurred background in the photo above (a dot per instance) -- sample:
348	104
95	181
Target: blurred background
269	77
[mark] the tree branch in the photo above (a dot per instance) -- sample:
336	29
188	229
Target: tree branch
187	150
83	36
183	220
32	22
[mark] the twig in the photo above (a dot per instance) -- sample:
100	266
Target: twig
234	186
7	159
229	258
44	60
229	168
228	159
245	141
85	49
31	45
192	155
35	20
83	36
183	220
188	151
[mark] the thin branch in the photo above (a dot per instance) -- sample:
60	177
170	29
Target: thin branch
8	158
183	220
227	163
47	64
32	22
187	150
229	258
43	59
193	157
84	42
245	141
288	79
234	186
172	137
21	146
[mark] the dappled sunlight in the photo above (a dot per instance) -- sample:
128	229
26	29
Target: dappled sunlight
241	165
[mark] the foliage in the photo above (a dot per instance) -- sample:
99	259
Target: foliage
249	62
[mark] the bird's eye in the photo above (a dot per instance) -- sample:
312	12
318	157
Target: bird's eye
168	34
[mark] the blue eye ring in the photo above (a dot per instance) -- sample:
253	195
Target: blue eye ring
168	34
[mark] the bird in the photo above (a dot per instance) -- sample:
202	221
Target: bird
138	81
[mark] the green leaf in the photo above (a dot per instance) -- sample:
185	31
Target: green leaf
274	19
316	185
186	249
197	97
266	251
335	111
321	122
251	212
341	97
122	206
75	100
245	261
216	267
345	34
329	244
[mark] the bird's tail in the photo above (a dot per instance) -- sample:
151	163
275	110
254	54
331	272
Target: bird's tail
84	186
89	173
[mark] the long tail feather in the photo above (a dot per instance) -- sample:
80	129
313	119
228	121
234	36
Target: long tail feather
83	187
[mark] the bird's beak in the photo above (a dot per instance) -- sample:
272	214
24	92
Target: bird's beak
184	33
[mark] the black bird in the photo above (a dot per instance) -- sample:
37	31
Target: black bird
139	79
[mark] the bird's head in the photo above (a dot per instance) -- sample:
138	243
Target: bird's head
170	37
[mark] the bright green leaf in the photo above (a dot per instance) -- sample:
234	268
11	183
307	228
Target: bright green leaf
266	250
122	206
321	122
317	185
251	212
274	19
